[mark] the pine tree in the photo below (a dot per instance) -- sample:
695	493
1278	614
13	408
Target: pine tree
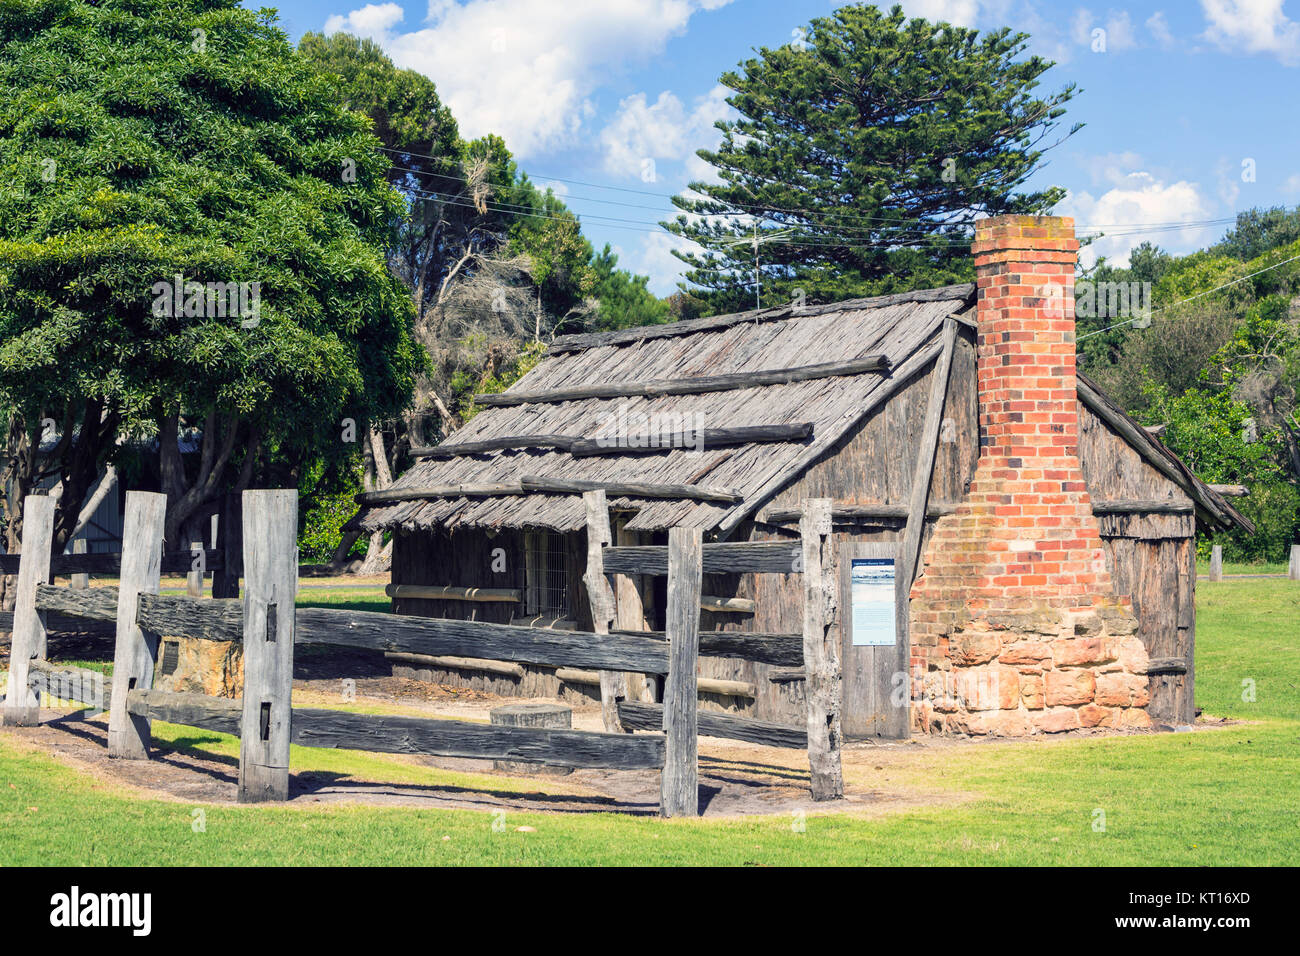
861	156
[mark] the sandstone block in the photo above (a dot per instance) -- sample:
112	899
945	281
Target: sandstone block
1056	721
1070	688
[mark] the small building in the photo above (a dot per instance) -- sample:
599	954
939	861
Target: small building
1017	555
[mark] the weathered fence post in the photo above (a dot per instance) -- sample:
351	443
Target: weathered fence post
81	580
229	541
629	615
1216	563
136	651
821	651
194	579
613	684
22	707
679	784
270	534
1293	570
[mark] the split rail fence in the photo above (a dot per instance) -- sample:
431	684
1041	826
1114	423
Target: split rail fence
267	622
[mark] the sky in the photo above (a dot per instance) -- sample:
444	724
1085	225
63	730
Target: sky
1190	106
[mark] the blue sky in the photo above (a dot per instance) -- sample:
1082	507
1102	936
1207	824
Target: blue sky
1191	107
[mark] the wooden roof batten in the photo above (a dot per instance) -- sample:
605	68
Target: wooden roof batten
697	385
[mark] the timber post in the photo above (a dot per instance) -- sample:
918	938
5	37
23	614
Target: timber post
270	535
194	579
679	782
1216	563
229	541
79	581
821	651
630	615
1293	570
613	684
22	707
136	650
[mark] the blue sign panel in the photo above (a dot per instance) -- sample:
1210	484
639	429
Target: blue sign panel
871	583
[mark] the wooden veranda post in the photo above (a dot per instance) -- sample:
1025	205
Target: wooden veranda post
821	651
22	707
136	649
270	534
679	782
613	684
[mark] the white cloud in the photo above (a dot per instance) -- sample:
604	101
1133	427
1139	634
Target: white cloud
374	20
1253	26
961	13
1292	185
1158	27
1117	32
654	258
642	132
1136	199
522	69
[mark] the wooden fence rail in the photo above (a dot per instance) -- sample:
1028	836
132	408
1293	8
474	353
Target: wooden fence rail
268	624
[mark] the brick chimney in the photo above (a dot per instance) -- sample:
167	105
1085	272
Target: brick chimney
1016	628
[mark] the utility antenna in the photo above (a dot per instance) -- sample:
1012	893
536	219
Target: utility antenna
756	240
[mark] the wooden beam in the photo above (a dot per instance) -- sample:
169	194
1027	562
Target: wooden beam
630	615
230	544
61	565
643	716
136	650
1167	665
704	685
693	385
848	513
530	485
822	684
909	553
93	604
382	733
1129	506
613	685
430	592
270	590
725	605
679	782
707	438
628	489
456	449
71	683
587	340
762	647
468	490
406	633
746	557
21	707
446	662
1230	491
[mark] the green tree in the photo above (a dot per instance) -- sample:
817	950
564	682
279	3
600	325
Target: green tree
145	140
864	153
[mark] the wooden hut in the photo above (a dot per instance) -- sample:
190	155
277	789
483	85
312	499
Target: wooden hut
1017	554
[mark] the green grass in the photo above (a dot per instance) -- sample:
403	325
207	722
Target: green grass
1208	798
1241	567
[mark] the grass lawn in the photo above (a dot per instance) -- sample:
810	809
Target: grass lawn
1208	798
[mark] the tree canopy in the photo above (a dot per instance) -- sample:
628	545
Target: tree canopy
153	144
862	155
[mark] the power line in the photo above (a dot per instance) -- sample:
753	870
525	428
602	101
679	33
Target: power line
1191	298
